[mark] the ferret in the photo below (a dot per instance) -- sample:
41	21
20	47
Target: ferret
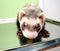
31	24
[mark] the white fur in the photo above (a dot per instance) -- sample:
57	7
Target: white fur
23	20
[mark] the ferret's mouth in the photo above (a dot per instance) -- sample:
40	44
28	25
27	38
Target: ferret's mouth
30	34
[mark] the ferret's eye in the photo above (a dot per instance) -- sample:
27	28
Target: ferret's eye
37	27
24	24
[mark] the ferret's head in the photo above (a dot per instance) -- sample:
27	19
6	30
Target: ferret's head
31	19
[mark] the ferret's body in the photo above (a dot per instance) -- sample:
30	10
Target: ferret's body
31	24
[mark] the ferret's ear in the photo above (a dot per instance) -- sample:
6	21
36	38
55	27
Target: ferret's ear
42	17
21	14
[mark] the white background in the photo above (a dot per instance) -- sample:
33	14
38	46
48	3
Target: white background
51	9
